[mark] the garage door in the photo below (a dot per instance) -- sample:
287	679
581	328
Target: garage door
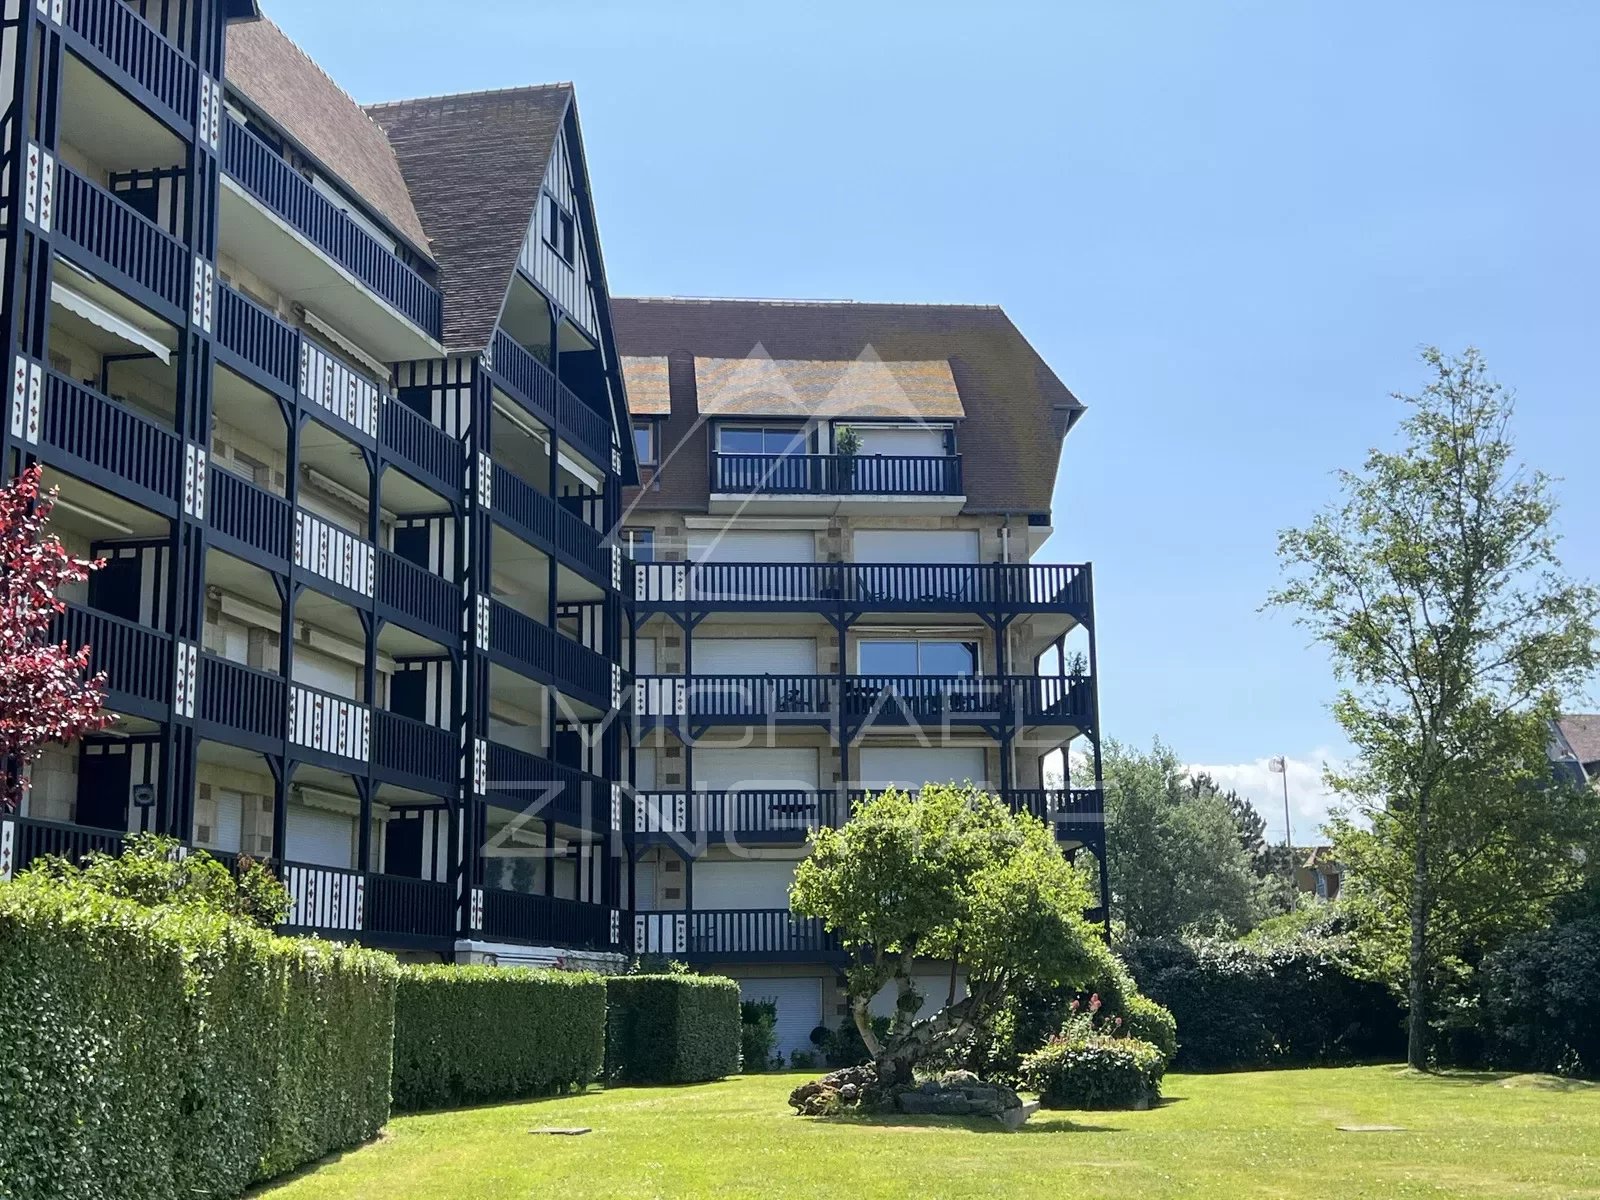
752	883
913	766
754	545
755	770
323	839
799	1004
916	546
935	990
755	656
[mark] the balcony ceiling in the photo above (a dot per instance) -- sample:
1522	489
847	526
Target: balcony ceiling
267	246
113	132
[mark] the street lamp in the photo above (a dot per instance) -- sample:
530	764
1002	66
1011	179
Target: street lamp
1280	765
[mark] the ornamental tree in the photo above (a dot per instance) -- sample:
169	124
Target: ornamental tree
46	692
954	876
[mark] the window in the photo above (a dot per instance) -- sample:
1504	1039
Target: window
559	230
644	442
639	544
761	439
917	658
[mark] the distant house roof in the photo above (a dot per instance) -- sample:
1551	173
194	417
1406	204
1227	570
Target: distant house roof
1579	734
1322	856
475	164
294	93
867	387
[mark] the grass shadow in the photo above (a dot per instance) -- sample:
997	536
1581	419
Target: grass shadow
967	1124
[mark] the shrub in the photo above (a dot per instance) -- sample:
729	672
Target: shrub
1238	1005
171	1051
1541	1000
671	1028
466	1035
1146	1021
758	1035
842	1046
1095	1071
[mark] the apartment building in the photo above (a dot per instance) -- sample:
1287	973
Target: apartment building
834	592
333	391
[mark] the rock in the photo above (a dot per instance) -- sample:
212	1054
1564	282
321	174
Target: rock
959	1094
850	1088
958	1079
1014	1118
849	1093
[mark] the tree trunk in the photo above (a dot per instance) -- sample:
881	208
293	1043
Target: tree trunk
1417	1017
896	1061
860	1010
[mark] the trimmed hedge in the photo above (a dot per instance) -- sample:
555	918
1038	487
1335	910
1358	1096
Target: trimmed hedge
671	1028
466	1035
1239	1005
1095	1072
160	1052
1541	1000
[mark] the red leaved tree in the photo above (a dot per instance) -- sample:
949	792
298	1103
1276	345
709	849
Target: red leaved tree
46	692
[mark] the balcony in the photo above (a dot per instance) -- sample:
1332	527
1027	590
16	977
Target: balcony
402	909
254	342
862	700
545	920
418	598
924	483
119	245
534	385
1007	588
420	446
773	816
241	705
735	935
247	517
544	790
137	660
542	521
414	754
110	445
296	238
130	51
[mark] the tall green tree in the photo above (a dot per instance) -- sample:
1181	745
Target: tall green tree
1176	852
1433	581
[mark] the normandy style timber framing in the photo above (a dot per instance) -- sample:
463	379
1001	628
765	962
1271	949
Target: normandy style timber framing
360	615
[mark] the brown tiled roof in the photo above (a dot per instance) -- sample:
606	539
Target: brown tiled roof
864	387
1582	732
475	164
1016	408
293	92
646	382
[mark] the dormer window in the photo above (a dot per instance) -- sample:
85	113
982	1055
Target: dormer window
560	231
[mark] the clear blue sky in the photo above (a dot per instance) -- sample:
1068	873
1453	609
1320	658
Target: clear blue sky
1228	226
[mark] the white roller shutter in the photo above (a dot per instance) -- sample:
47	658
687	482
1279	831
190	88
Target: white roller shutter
756	769
935	990
799	1004
755	656
754	545
909	440
753	883
911	767
644	772
644	662
319	838
935	546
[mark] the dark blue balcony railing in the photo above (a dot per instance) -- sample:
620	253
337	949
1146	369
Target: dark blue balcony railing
121	444
536	386
137	660
419	593
396	904
752	813
409	437
836	474
249	514
37	838
549	654
137	50
1074	808
756	933
542	787
545	920
255	336
286	192
245	700
133	248
550	523
408	747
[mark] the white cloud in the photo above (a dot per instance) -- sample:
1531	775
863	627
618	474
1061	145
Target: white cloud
1310	799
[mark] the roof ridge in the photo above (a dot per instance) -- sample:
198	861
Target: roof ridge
799	301
410	101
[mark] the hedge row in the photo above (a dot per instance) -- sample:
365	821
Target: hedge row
1243	1006
466	1035
671	1028
152	1053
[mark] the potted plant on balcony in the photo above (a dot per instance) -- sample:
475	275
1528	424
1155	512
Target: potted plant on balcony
846	444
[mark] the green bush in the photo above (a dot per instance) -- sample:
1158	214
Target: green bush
671	1028
758	1035
159	1052
1095	1071
1541	1000
843	1046
1146	1021
1239	1005
466	1035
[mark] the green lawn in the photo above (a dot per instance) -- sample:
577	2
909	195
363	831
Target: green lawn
1226	1136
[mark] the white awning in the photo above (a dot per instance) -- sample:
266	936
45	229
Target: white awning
104	318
